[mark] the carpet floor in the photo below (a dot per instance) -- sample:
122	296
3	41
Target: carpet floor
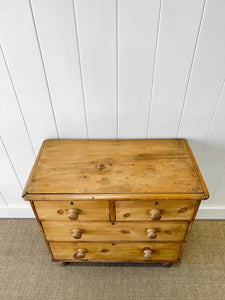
26	271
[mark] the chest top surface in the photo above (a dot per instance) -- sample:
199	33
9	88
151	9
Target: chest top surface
119	167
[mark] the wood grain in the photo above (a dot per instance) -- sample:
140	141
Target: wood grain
197	170
71	197
116	231
111	166
190	223
41	228
59	210
34	168
112	210
115	251
93	198
141	210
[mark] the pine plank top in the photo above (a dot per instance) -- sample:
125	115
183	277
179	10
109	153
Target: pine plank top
152	168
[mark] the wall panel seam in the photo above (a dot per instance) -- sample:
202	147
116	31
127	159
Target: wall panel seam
80	67
11	162
217	184
3	198
44	69
154	67
212	120
17	100
191	67
117	69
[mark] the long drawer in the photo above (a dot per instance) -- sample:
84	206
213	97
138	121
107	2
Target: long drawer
119	231
155	210
143	251
76	210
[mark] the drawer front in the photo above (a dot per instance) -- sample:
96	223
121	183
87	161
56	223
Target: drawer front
155	210
145	251
118	231
74	211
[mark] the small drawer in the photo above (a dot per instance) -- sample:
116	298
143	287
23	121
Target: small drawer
73	211
117	231
155	210
115	251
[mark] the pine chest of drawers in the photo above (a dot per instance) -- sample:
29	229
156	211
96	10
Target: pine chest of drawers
115	200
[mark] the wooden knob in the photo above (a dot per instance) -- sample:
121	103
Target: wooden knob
155	215
80	253
77	233
151	233
148	254
73	214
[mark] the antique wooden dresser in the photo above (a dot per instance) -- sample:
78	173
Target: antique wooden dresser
115	200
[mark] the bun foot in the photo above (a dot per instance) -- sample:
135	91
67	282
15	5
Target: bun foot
167	265
63	264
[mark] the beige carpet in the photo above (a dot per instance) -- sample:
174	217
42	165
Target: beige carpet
26	271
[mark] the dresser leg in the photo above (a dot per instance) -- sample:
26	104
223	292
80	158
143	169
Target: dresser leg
63	264
167	265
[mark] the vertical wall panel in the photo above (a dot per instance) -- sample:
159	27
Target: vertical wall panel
213	159
178	31
57	34
207	77
137	32
18	40
96	22
108	69
12	127
9	185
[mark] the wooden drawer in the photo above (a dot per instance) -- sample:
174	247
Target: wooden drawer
76	210
118	231
146	210
143	251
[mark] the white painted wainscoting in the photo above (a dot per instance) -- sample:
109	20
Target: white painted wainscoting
111	69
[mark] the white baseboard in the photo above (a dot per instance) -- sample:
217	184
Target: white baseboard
217	213
16	212
26	212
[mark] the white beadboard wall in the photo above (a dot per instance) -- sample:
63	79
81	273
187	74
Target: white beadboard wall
111	69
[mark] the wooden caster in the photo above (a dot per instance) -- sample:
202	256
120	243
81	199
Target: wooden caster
167	265
63	264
